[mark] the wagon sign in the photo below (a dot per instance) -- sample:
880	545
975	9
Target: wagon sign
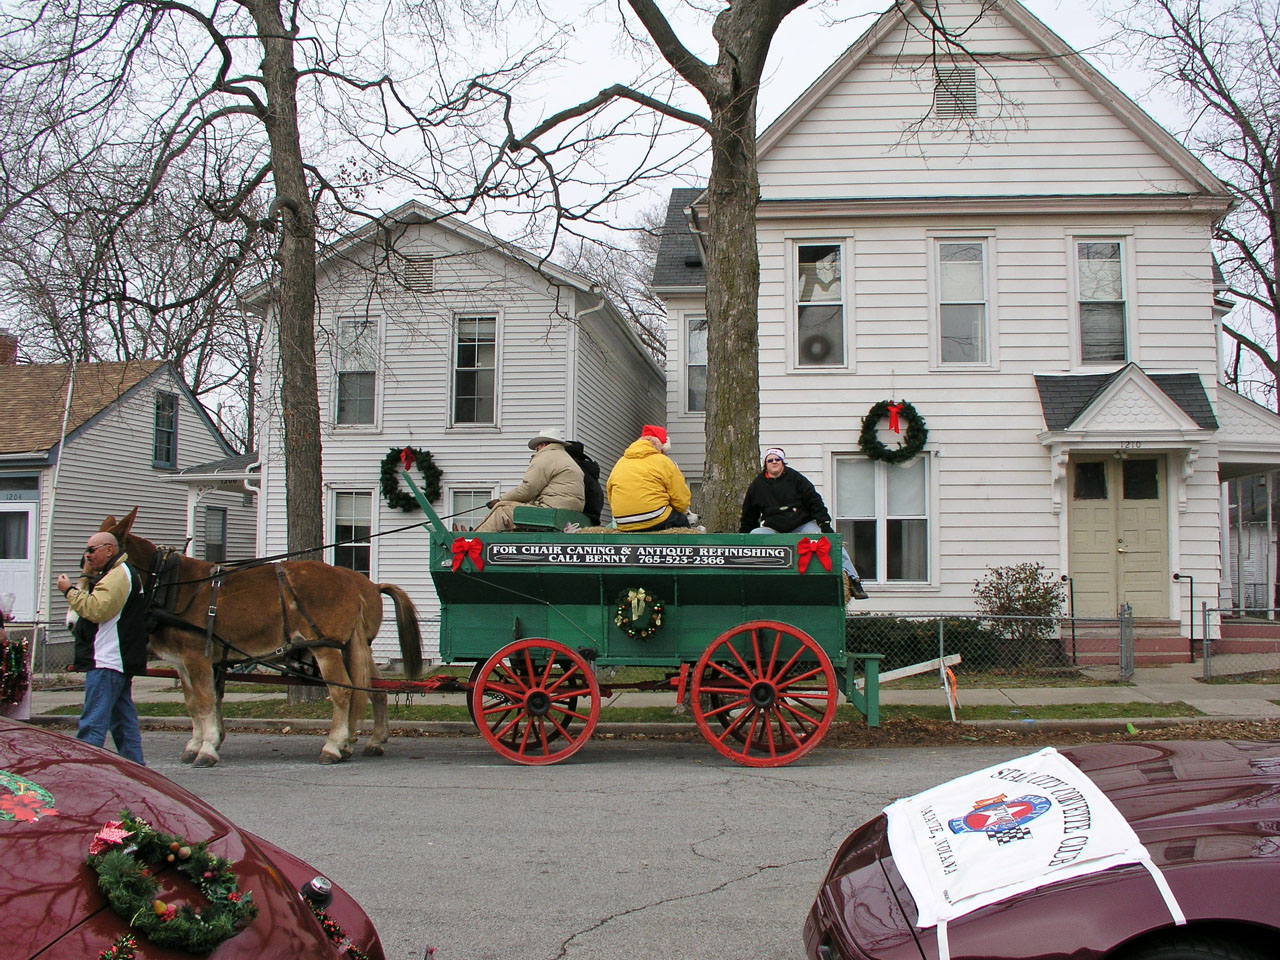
748	557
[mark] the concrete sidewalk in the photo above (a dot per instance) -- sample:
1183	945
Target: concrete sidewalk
1173	683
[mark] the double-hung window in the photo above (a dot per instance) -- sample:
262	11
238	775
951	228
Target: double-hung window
963	312
882	512
695	364
215	534
475	370
352	530
165	439
819	296
467	506
1101	300
357	371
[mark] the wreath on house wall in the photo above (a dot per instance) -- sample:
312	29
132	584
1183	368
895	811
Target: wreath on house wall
898	412
397	498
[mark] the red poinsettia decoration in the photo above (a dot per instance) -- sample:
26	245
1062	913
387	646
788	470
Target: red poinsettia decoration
112	834
26	806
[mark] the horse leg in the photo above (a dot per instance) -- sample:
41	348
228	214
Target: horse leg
334	672
201	698
374	748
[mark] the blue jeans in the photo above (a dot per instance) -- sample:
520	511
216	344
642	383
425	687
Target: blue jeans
810	526
108	706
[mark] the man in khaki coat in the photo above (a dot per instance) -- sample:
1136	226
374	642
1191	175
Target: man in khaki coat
552	480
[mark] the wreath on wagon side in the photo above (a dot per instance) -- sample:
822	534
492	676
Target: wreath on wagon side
398	498
123	854
898	412
639	614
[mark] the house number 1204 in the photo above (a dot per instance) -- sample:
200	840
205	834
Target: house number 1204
1130	444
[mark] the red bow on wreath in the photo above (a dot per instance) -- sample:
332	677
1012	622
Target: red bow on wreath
407	459
894	410
464	547
810	548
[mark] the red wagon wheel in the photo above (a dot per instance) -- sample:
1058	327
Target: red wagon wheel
526	701
764	693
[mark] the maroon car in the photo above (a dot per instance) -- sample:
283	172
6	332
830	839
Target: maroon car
57	795
1207	812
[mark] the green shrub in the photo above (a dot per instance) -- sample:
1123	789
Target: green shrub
1031	600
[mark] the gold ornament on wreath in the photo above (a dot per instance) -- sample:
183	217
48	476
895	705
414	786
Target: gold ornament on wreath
639	613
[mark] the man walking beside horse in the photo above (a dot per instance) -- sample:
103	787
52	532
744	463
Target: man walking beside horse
111	643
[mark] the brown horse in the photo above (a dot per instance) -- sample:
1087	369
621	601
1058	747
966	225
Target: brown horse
266	612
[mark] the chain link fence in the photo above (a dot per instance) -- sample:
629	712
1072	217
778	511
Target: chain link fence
1027	650
1248	645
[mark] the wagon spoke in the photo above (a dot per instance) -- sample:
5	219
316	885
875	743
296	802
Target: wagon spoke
743	682
788	682
773	657
724	708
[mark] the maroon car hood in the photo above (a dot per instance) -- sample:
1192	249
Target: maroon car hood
52	907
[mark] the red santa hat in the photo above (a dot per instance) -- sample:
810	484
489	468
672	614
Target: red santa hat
658	433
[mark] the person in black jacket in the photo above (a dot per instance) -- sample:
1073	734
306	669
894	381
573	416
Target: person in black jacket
111	643
783	500
592	493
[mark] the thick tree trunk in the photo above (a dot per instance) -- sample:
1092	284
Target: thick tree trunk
296	256
733	283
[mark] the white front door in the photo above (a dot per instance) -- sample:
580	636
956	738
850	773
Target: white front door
18	557
1118	527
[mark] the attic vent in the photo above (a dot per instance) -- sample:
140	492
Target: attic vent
420	273
955	92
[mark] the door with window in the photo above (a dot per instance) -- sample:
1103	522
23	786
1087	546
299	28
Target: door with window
18	557
1118	528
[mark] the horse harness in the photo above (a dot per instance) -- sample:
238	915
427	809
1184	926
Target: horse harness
161	588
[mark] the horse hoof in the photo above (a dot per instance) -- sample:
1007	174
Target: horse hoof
373	750
347	753
330	757
204	760
188	756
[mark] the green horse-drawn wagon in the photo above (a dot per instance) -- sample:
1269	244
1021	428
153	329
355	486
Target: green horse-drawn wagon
750	629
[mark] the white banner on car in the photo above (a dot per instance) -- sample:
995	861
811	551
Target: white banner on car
990	835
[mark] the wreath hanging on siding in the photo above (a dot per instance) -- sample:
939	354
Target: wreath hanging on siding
898	413
399	499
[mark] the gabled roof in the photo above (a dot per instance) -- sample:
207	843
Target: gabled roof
33	395
1102	89
678	264
1064	398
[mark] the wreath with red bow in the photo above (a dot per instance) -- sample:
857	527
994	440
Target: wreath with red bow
898	412
398	499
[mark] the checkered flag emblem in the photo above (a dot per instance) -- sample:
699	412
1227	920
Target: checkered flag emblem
1010	835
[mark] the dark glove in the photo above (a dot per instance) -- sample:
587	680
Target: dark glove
826	528
491	504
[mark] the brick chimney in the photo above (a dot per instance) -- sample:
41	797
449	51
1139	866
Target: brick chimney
8	348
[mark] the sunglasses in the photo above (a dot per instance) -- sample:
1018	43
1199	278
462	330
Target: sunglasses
773	460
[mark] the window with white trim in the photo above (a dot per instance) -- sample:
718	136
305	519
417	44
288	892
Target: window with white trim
695	364
1101	300
357	363
475	370
467	506
352	530
962	301
819	295
215	534
882	512
165	439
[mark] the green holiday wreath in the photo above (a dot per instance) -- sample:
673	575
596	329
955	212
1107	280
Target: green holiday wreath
399	499
123	854
912	441
639	614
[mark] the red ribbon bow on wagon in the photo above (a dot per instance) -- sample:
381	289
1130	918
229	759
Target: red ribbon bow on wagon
468	547
811	548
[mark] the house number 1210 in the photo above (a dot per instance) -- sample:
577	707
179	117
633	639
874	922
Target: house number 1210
1130	444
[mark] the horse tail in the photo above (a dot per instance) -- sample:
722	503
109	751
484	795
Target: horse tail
407	627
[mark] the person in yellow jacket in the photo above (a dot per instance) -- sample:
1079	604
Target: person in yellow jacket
646	489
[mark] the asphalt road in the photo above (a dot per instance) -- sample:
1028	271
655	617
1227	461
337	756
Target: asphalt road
629	850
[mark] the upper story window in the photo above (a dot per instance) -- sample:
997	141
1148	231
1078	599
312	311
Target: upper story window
695	364
165	442
882	512
955	92
357	371
475	370
1101	300
962	302
215	534
352	529
819	305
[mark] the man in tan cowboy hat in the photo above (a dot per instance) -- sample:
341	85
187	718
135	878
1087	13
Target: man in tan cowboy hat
552	480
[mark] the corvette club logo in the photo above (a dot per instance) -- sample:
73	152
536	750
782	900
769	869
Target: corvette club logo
1001	819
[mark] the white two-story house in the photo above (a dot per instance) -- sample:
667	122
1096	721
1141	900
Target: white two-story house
1001	239
435	335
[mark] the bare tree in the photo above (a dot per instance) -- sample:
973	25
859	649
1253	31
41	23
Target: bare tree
1221	60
